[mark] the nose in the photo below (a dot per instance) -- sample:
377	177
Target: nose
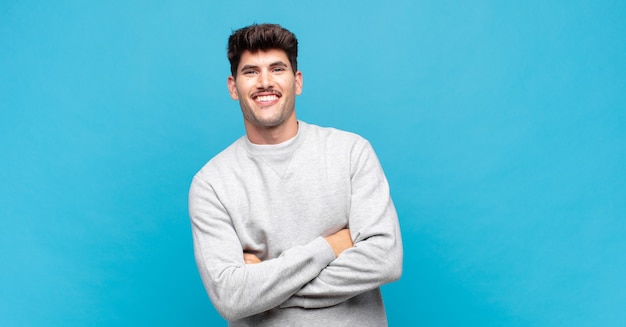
265	79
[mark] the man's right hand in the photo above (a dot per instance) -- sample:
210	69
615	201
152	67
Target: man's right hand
340	241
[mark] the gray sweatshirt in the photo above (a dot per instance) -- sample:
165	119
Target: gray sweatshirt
278	202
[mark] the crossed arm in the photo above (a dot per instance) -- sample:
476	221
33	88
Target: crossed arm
339	242
324	272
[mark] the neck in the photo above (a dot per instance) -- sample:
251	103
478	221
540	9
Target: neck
272	135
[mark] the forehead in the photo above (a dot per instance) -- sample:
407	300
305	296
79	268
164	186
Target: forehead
263	58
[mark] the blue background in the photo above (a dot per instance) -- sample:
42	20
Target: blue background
500	125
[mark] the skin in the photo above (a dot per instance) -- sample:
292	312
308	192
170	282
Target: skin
266	87
339	242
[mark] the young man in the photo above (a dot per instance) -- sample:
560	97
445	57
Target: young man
293	224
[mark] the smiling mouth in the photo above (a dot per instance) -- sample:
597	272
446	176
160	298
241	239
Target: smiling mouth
266	97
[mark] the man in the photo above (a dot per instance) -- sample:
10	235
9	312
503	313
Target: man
293	224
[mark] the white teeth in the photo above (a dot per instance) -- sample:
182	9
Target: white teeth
264	98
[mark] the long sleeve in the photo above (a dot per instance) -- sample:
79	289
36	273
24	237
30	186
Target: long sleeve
238	290
278	202
376	257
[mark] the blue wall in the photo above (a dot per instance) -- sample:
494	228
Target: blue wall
500	125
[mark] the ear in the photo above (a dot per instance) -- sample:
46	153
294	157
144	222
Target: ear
298	82
232	88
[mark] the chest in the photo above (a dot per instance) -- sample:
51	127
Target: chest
279	209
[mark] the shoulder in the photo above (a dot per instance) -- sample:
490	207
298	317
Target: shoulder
335	137
217	166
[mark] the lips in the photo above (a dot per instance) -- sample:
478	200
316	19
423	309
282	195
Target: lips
266	97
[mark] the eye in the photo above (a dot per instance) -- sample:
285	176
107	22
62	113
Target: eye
279	69
249	72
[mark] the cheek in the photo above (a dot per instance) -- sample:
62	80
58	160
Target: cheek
290	84
241	90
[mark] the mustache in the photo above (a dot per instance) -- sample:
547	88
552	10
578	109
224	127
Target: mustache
266	92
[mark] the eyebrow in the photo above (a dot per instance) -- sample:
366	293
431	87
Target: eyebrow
274	64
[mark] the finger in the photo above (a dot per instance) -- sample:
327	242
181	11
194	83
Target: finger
250	258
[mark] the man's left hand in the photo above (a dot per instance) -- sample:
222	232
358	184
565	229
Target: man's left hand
250	258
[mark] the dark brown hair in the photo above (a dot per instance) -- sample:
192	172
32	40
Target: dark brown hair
261	37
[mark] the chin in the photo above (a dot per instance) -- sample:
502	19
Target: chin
271	122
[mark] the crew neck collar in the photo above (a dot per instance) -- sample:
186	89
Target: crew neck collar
281	148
